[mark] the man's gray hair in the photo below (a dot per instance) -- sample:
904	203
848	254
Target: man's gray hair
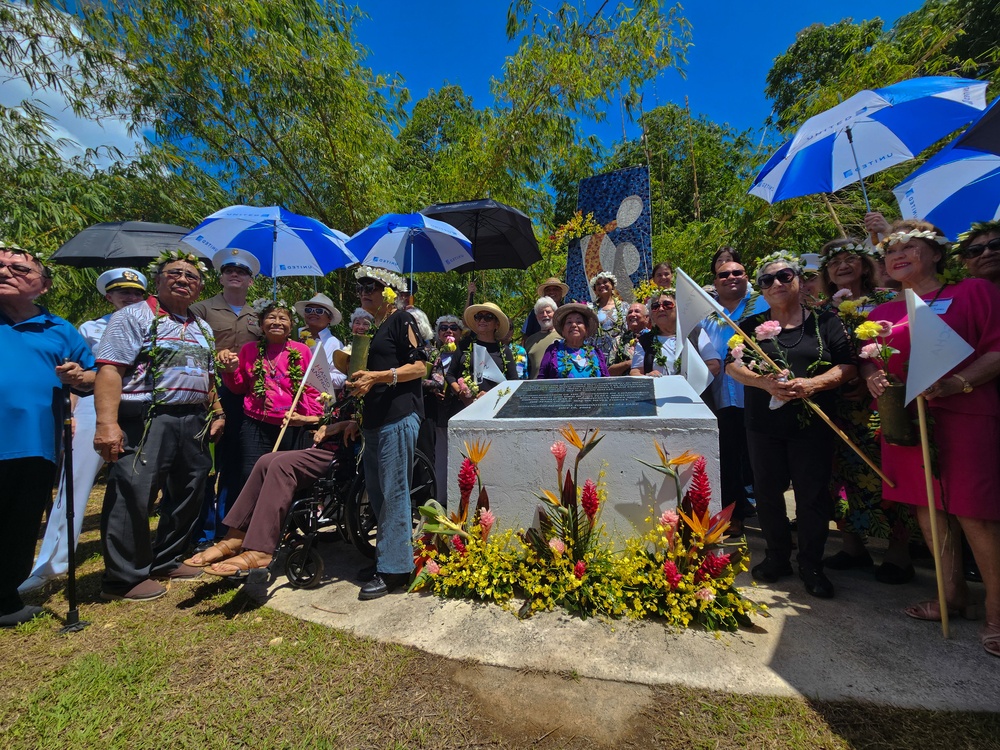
544	302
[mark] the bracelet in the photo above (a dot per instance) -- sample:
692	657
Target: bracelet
218	415
966	385
393	371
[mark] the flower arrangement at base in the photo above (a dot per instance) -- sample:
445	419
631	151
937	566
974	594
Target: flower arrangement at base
680	570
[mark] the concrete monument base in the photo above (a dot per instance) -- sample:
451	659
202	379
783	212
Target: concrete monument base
522	419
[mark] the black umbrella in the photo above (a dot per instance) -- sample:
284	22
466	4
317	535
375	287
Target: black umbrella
120	243
984	133
501	236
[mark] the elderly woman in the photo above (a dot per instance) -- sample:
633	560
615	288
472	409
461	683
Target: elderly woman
636	323
656	352
440	402
979	249
965	410
319	314
483	362
573	357
269	372
790	443
848	272
361	321
611	311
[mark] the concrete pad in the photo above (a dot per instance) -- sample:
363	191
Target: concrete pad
857	646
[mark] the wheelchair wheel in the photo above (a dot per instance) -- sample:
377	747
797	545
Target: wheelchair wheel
304	569
362	522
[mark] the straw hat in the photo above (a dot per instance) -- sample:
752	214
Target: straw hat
319	300
552	281
470	318
575	307
342	359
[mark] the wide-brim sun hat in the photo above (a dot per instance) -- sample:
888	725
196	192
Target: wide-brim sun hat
342	359
552	281
470	318
319	300
575	307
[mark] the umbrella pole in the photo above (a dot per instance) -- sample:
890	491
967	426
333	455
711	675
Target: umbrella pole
274	262
73	621
864	193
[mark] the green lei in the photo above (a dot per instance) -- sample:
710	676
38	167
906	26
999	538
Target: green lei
295	373
567	365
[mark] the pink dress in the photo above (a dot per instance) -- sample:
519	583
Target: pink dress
965	428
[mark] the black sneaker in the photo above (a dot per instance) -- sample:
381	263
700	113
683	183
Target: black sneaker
771	570
382	584
816	582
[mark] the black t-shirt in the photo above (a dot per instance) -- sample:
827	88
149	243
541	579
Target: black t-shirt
800	349
460	362
391	347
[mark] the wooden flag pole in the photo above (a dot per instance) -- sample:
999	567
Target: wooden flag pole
295	401
925	448
812	405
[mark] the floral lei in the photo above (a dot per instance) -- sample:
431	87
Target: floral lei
295	373
567	365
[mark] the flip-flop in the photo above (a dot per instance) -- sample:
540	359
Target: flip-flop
931	611
228	548
239	566
989	638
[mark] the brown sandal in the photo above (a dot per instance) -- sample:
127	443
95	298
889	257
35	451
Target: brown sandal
241	565
227	548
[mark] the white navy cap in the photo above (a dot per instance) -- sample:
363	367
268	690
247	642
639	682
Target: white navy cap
232	256
120	278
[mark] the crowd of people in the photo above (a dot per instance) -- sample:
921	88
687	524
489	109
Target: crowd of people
171	374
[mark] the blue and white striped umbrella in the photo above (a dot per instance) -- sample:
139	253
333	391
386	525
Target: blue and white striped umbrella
411	243
871	131
286	244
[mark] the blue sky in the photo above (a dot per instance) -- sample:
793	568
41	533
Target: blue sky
735	42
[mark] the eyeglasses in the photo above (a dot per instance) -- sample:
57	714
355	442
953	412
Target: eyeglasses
449	327
19	269
316	311
366	287
785	276
974	251
479	316
839	261
666	305
176	273
726	274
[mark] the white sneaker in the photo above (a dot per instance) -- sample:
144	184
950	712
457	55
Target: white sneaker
32	583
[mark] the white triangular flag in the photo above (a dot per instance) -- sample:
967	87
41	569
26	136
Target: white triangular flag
693	306
318	373
483	366
935	348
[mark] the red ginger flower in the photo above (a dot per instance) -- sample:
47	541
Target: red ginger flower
459	545
579	569
466	479
589	499
711	567
700	491
671	573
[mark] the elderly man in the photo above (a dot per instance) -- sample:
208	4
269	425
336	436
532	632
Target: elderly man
319	314
555	290
40	353
734	294
233	323
153	393
536	344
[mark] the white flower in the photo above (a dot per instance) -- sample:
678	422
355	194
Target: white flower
897	238
388	278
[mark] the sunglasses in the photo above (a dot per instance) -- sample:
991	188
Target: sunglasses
316	311
177	273
785	276
449	327
238	270
974	251
19	269
666	305
484	316
366	287
726	274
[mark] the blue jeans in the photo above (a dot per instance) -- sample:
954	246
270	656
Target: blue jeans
387	459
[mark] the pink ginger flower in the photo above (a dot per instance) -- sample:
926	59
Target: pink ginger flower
711	567
559	451
486	521
767	330
870	351
670	518
558	547
671	573
841	294
705	595
432	568
589	499
459	545
579	569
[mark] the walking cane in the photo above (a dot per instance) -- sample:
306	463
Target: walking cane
73	621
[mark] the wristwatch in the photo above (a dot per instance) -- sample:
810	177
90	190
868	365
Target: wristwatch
966	385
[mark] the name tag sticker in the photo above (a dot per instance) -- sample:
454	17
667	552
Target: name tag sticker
940	306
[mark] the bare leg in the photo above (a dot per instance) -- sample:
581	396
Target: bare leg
956	593
984	538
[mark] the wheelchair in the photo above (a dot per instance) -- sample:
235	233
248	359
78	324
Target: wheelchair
337	508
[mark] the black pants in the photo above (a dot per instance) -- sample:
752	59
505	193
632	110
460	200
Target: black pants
228	468
172	459
806	461
25	490
735	472
258	438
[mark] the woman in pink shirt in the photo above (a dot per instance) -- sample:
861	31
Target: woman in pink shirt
268	372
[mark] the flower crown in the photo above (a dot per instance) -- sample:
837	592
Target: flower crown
779	255
977	228
919	234
259	305
388	278
855	248
169	256
604	275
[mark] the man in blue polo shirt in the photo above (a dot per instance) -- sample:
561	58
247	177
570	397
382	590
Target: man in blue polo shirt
39	353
